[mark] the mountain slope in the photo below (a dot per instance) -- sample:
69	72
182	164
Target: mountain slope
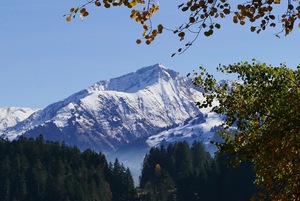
116	112
10	116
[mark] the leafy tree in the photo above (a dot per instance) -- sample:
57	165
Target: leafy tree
263	106
205	16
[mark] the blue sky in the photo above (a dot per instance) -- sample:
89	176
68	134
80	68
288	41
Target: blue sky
44	59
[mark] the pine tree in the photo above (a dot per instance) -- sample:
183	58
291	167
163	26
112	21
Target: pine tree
122	184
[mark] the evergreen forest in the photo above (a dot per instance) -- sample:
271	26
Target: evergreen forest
38	170
35	170
187	173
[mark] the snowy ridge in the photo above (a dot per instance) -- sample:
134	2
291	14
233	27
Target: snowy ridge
121	117
41	116
10	116
136	81
152	103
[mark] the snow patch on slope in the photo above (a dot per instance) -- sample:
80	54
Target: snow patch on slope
201	128
10	116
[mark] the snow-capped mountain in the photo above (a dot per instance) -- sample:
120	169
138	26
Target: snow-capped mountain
10	116
116	112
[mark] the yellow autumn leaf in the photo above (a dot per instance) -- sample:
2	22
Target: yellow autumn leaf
133	14
68	19
133	3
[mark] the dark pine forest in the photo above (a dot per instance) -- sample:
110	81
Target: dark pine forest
187	173
35	170
38	170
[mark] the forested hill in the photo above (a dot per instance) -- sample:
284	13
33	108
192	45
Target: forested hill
31	169
38	170
188	173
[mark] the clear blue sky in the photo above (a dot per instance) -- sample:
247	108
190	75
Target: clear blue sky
44	59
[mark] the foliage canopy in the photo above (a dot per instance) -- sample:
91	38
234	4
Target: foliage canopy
263	106
205	16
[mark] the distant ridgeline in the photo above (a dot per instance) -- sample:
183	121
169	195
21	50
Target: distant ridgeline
37	170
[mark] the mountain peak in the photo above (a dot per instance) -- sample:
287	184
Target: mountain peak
137	80
115	113
157	66
161	66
